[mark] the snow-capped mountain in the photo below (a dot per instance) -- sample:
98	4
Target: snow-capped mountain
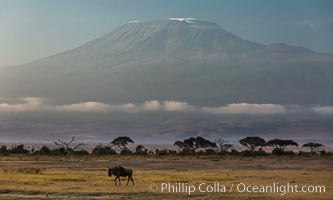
181	59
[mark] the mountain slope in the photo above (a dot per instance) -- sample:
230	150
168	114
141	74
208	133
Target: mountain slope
180	59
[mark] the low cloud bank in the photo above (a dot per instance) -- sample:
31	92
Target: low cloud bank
34	104
326	110
246	108
27	104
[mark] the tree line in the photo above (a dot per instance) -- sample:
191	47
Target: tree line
190	146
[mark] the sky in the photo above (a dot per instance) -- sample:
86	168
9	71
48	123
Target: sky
33	29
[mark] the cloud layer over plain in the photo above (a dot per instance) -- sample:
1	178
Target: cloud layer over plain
33	104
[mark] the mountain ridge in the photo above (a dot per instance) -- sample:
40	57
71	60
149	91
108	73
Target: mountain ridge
181	59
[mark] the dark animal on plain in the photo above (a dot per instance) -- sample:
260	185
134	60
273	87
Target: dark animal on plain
121	171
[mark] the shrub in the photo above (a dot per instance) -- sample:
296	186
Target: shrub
201	152
223	152
210	152
141	150
323	152
172	152
44	150
303	153
163	152
248	153
4	150
279	152
234	152
290	153
126	152
103	150
58	151
19	150
260	152
81	152
185	151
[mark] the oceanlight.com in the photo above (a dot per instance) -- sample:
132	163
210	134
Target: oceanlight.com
218	187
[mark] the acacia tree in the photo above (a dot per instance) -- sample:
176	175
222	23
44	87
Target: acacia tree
313	146
179	144
281	144
252	142
122	142
187	144
194	143
69	146
204	143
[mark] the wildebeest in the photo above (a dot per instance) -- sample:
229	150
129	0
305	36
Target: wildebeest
121	171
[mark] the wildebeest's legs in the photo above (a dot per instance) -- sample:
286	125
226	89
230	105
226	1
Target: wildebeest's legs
128	180
119	181
115	180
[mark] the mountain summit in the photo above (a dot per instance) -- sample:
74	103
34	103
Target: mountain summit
172	36
180	59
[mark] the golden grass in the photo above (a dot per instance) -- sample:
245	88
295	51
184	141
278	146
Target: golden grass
79	181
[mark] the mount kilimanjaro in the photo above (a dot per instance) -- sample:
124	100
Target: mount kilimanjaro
180	59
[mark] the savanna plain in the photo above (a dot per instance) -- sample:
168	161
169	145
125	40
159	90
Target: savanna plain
86	177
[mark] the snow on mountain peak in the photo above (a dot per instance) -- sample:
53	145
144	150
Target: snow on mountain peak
188	20
131	22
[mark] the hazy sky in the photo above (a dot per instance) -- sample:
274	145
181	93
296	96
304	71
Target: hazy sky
31	29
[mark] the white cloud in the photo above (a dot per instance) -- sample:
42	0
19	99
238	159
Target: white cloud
177	106
152	105
36	104
32	104
246	108
328	110
129	107
26	104
82	107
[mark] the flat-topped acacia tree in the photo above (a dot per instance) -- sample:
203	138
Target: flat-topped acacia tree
313	146
252	142
121	142
194	143
281	144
